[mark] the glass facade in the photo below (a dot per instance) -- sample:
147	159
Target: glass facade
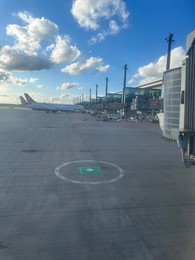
172	89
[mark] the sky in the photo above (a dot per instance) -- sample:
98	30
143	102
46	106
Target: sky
58	50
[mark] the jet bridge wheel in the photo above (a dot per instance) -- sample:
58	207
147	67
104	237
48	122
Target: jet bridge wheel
187	163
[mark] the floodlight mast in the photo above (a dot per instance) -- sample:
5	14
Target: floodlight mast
96	93
90	98
170	42
124	83
106	94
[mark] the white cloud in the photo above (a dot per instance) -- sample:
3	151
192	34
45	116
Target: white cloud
23	55
19	81
68	85
7	79
40	86
13	59
82	66
4	76
114	29
63	51
98	37
177	56
103	68
89	14
64	98
33	80
154	70
29	37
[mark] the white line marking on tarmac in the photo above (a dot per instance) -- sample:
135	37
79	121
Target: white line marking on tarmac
117	178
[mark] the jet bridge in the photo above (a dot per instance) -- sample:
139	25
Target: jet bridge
179	104
186	138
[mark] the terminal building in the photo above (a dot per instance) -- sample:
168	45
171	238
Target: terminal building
144	99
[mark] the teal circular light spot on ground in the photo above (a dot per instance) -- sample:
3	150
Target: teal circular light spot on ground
89	170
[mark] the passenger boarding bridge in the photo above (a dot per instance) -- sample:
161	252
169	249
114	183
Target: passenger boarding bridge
179	104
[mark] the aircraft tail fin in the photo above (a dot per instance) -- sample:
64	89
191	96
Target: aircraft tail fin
28	98
23	101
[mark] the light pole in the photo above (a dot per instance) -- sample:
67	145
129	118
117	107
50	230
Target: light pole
106	94
170	41
124	83
96	93
90	98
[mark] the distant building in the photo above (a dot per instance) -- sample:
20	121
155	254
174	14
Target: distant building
145	97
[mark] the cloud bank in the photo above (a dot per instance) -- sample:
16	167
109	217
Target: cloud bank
82	66
7	78
107	16
37	45
63	51
12	58
26	54
28	38
154	70
68	85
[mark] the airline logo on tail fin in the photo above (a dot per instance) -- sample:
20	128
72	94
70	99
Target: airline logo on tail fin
28	98
23	101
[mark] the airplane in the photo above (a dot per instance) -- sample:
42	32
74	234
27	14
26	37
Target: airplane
23	101
32	104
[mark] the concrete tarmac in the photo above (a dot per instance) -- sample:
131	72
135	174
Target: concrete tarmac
77	189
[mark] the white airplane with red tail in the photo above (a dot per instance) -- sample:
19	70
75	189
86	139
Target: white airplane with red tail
48	107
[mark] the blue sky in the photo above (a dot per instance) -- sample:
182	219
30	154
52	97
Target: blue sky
58	50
